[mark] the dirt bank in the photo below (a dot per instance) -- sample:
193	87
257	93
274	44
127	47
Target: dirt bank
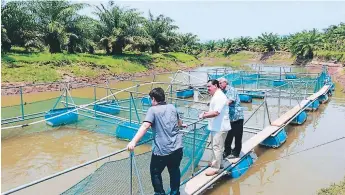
336	70
75	82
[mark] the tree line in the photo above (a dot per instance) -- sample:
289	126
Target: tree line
58	26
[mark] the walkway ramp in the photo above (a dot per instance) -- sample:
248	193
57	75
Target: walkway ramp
322	91
283	119
201	181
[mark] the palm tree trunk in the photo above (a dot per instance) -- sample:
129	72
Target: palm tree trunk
117	47
155	48
54	43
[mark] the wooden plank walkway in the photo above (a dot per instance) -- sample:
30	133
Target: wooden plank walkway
322	91
201	181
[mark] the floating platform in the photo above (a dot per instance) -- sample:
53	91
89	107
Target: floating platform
277	83
290	76
321	92
290	114
256	94
241	166
333	86
275	140
126	131
313	106
185	93
109	107
300	118
245	98
323	98
146	101
64	119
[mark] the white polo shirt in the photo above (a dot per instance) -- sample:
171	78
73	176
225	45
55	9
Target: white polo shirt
222	121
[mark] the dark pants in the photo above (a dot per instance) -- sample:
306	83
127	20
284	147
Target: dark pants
158	163
237	133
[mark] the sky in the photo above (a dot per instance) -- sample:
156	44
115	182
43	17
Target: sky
213	20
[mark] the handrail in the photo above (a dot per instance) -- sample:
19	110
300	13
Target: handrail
82	165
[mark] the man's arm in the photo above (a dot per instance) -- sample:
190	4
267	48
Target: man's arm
141	132
229	102
209	114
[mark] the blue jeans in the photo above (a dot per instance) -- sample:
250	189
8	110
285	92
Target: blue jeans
158	163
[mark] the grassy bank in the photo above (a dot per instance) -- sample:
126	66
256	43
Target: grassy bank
45	67
334	189
330	56
19	66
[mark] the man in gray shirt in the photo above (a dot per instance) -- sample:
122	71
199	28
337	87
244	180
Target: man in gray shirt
167	141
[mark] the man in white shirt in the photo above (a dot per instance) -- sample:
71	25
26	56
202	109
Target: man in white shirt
218	124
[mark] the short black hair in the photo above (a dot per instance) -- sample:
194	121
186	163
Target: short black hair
214	82
158	94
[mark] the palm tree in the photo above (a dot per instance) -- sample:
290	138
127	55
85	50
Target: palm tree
269	42
161	29
119	27
305	43
53	18
243	43
210	46
17	23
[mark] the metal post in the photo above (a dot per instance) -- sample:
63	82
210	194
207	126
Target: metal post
257	80
193	152
171	85
280	73
130	110
280	89
107	92
154	79
242	83
188	77
136	91
131	173
66	99
21	102
135	107
290	95
94	94
263	126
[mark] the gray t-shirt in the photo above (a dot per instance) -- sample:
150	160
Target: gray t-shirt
164	122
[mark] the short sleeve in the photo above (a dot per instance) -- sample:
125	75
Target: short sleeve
219	104
231	94
150	116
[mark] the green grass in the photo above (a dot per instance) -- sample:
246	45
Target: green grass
330	55
45	67
334	189
285	57
242	56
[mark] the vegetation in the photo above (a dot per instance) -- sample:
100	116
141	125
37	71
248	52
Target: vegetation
334	189
118	39
43	66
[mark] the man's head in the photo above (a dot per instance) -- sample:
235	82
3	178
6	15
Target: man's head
223	83
157	96
212	86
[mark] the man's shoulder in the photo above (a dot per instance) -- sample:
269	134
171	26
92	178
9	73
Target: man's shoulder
220	97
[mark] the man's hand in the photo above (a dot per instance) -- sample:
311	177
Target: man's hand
131	146
184	125
201	116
